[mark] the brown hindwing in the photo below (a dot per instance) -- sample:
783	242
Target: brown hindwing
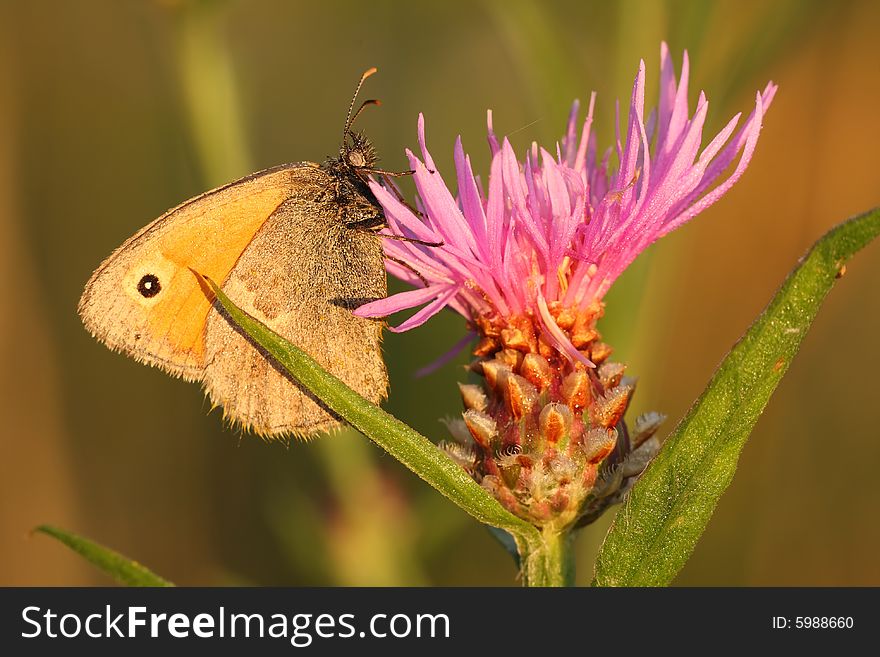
301	275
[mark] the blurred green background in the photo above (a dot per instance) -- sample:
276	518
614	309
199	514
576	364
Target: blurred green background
112	111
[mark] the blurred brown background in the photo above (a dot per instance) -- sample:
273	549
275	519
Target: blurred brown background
112	111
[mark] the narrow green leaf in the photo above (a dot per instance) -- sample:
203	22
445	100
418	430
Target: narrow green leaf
123	570
668	509
398	439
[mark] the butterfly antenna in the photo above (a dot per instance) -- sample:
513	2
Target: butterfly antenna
348	119
371	101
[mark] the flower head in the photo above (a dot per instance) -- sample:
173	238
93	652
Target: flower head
528	261
552	233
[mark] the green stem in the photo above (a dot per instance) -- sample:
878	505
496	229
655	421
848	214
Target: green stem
549	562
206	74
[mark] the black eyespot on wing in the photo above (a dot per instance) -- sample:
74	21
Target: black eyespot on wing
149	286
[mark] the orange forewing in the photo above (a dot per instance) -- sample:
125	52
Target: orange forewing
210	236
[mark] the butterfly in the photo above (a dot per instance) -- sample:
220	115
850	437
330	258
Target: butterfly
297	247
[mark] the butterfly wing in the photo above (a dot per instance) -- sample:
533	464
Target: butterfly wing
301	275
277	244
144	301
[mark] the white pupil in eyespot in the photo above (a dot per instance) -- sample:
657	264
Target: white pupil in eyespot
149	286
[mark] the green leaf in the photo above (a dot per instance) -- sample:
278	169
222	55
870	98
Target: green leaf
398	439
656	530
123	570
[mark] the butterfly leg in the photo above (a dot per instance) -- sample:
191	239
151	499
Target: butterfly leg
410	267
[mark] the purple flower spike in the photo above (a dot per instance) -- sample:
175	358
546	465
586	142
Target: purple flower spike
540	250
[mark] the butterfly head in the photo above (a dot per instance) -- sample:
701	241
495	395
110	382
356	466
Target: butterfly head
357	152
357	157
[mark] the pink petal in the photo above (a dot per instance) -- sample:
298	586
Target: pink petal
495	215
580	162
720	139
469	197
441	207
723	160
425	313
667	95
718	192
569	142
559	338
679	116
493	140
400	214
513	187
426	156
400	301
633	138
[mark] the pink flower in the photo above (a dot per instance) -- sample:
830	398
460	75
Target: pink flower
527	262
535	253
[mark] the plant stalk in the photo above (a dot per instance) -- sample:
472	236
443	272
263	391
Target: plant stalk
548	562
